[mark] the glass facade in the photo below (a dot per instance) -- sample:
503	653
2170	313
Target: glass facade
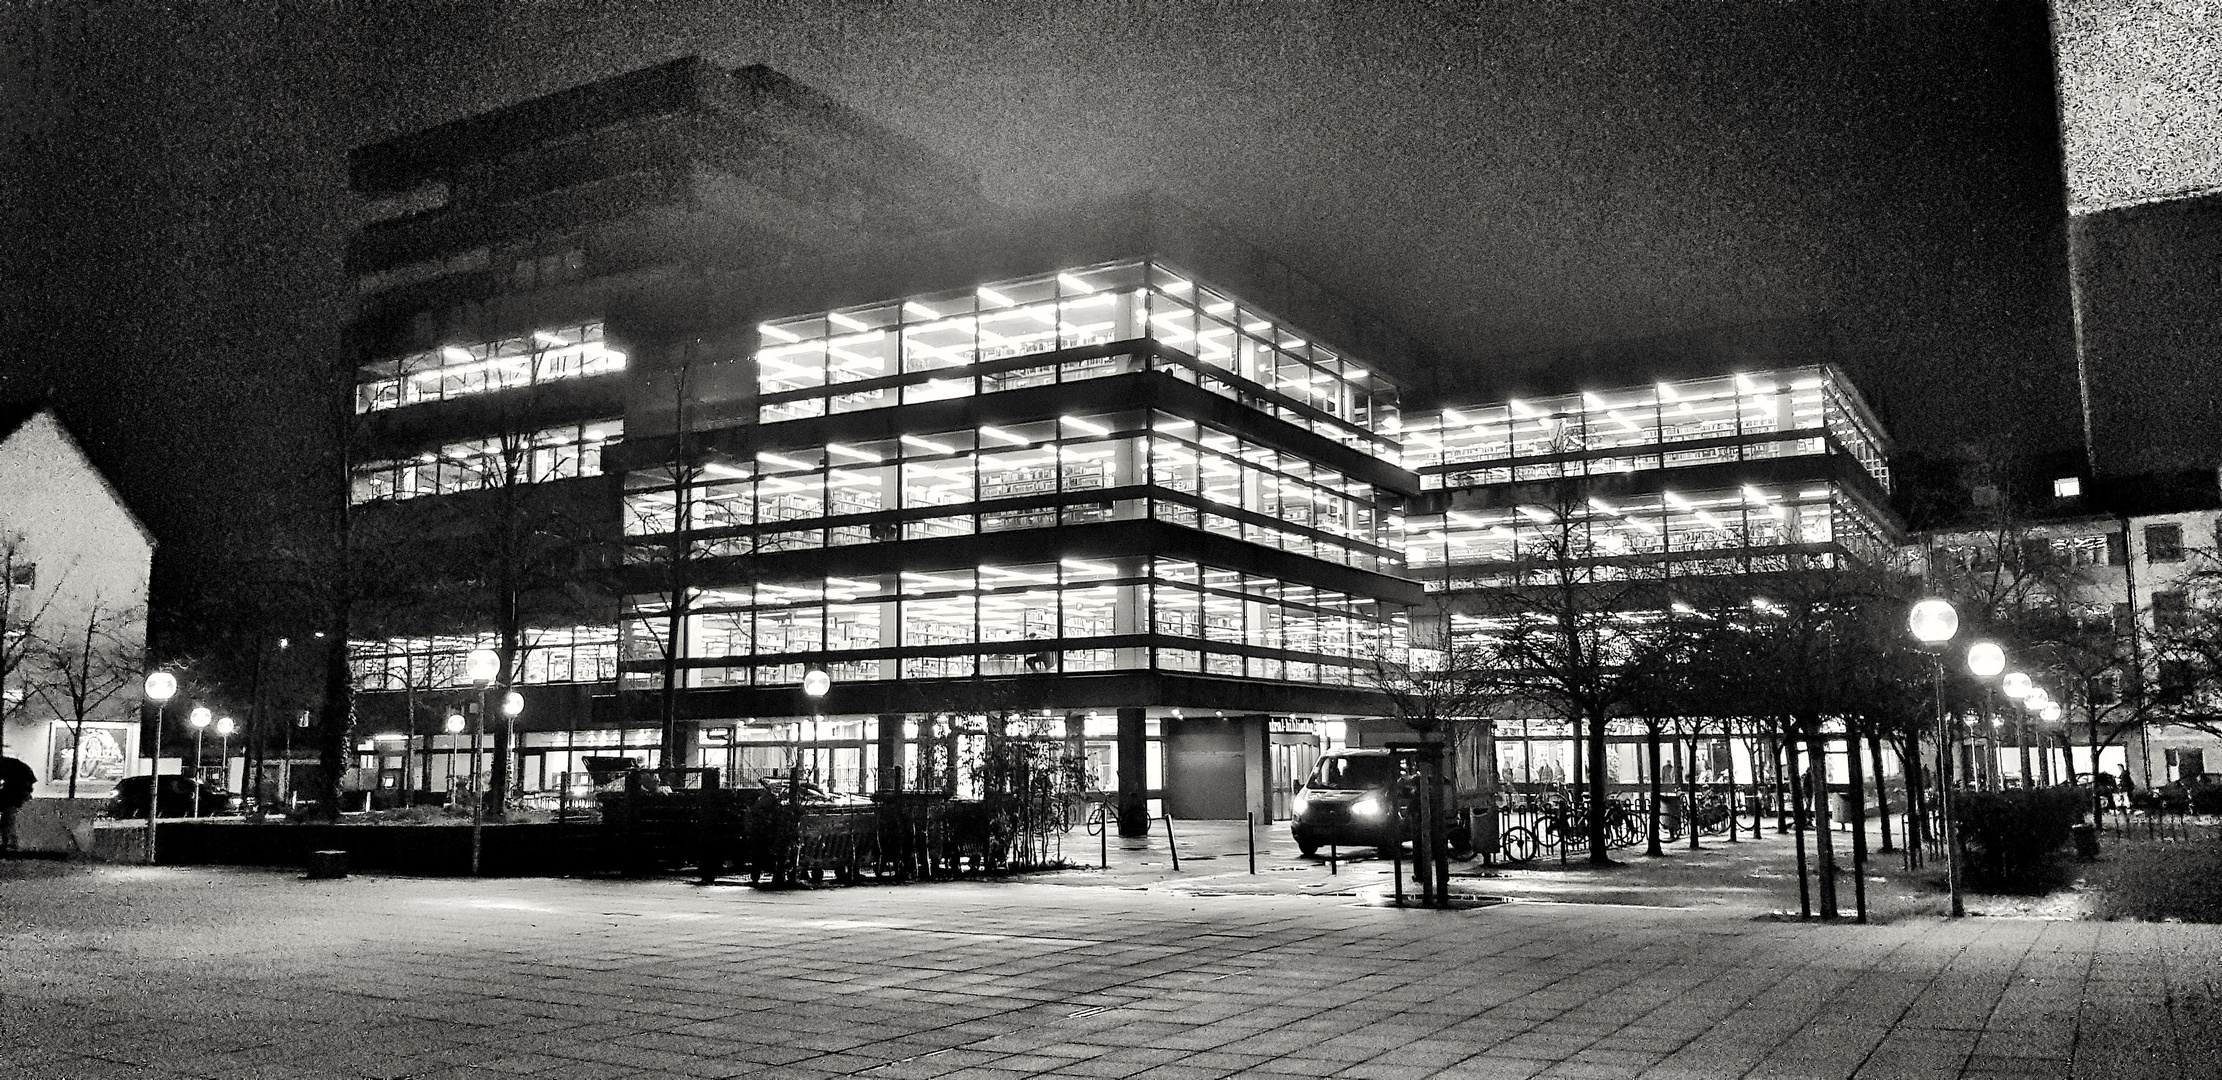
1750	528
566	654
936	346
1088	466
1069	616
452	371
1779	413
556	453
1089	463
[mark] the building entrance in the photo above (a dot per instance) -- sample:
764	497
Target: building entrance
1294	754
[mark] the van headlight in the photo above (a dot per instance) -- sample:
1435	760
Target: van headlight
1299	802
1371	808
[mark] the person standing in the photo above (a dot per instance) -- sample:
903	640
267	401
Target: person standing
16	782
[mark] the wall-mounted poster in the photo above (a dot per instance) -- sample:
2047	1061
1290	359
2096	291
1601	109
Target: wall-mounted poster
103	759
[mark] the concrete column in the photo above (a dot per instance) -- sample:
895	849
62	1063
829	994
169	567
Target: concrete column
1134	808
889	745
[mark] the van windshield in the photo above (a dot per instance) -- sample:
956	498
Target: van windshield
1351	773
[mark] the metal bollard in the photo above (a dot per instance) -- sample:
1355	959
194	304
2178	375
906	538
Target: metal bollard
1250	834
1332	868
1396	871
1171	845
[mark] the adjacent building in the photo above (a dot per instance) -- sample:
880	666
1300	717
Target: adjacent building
74	566
2126	566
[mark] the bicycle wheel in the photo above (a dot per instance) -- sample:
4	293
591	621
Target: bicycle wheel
1548	832
1713	817
1097	818
1520	845
1749	815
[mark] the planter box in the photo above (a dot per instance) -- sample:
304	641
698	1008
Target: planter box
534	850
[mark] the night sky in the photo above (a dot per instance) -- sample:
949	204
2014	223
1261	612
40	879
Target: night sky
1499	179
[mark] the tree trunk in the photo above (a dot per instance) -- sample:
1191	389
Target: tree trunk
1689	790
1651	744
1917	799
1824	848
1786	796
1600	840
1859	823
1882	790
1795	806
2021	744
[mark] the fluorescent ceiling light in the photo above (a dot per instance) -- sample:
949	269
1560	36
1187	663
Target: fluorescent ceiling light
853	452
766	455
999	433
1074	283
920	310
996	298
455	354
777	333
847	322
553	341
1089	426
928	444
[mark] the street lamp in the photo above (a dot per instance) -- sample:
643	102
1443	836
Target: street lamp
482	666
200	718
815	682
2037	701
454	728
224	729
1985	660
2020	688
1933	622
512	707
160	685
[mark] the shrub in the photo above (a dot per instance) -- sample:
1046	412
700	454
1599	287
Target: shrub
2015	840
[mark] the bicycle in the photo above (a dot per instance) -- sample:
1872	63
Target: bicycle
1107	815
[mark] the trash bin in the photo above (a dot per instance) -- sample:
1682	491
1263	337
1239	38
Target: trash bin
2086	840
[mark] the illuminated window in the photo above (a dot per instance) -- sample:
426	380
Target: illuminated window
464	369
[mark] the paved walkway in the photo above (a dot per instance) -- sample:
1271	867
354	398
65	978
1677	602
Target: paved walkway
167	972
1753	876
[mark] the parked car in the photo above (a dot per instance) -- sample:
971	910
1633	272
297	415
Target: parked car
1355	798
179	793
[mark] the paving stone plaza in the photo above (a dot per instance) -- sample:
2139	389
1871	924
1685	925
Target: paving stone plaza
185	972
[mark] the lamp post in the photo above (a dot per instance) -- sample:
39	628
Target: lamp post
224	728
160	685
512	707
2050	714
1933	622
1985	660
454	728
815	682
2036	704
482	667
2019	687
200	719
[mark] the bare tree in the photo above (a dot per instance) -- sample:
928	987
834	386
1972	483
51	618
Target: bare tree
1439	693
83	667
1570	627
24	609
